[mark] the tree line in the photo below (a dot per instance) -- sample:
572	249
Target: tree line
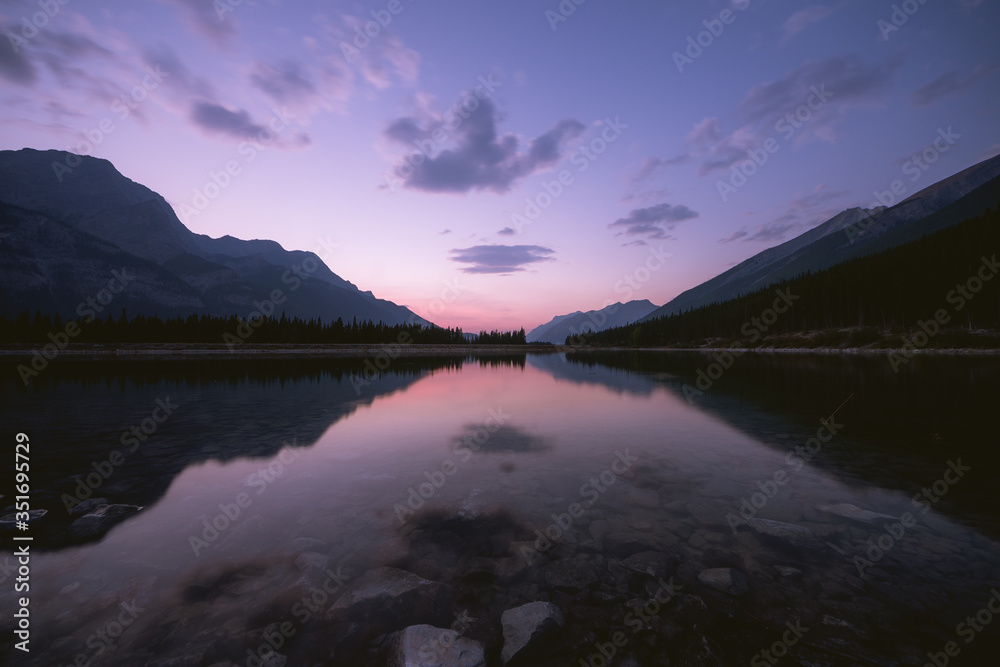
949	276
26	329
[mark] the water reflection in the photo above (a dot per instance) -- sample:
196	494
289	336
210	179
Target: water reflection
298	494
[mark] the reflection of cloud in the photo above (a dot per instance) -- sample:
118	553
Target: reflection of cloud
505	439
500	258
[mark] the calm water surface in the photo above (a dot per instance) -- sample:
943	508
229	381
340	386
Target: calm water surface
270	490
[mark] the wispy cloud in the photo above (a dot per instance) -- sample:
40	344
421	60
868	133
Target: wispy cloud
801	19
205	19
947	84
653	221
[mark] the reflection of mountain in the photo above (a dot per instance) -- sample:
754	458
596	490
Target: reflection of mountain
579	370
900	430
224	410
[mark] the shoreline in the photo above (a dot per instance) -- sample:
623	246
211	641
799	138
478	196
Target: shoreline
364	351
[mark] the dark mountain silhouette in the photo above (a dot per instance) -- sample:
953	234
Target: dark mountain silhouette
66	231
850	234
579	323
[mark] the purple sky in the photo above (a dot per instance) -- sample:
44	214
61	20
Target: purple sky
489	164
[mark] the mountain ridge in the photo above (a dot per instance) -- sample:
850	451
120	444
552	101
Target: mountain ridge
195	273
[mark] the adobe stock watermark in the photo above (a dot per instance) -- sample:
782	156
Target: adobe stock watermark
894	532
230	513
131	441
914	166
714	27
786	126
108	635
421	493
450	122
898	17
365	32
958	297
636	621
223	7
590	493
753	329
968	629
779	649
219	181
122	107
795	459
88	310
30	27
562	12
581	158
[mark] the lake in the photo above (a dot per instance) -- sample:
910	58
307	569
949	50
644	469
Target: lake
673	508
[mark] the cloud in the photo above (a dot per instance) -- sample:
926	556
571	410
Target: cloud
501	259
445	231
826	89
204	18
182	83
384	58
285	84
507	231
848	78
480	159
801	19
14	66
652	165
217	118
769	233
644	196
652	222
947	84
818	197
735	236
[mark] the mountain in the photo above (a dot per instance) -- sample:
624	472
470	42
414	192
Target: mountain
615	315
66	233
853	233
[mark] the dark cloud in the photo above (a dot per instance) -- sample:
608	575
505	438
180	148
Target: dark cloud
500	258
205	18
848	78
653	221
947	84
217	118
480	159
180	79
14	66
507	231
285	84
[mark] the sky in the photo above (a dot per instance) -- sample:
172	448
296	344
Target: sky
494	164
